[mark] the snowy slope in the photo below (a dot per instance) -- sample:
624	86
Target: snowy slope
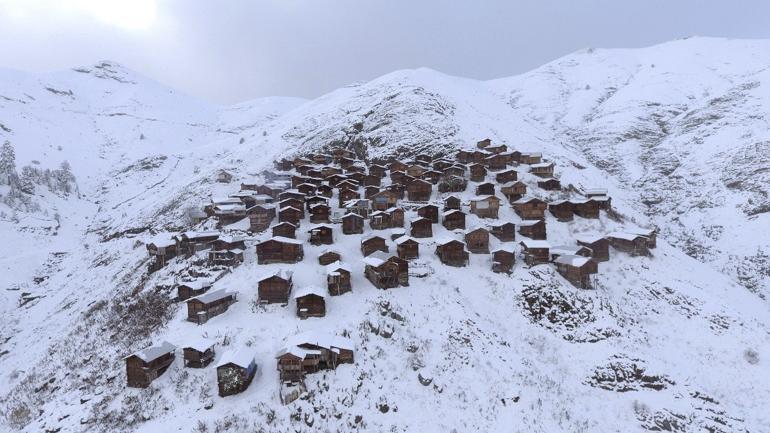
682	145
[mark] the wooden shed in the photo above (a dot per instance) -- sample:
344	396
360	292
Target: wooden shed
373	243
279	250
321	235
649	234
452	202
599	246
531	158
397	176
429	211
513	190
338	278
485	188
384	199
453	219
586	208
549	184
328	256
631	243
477	172
503	259
161	250
325	191
507	176
452	252
360	206
569	250
370	191
530	208
232	257
146	365
275	288
535	252
307	188
285	229
419	190
311	302
543	169
485	206
235	371
319	213
578	270
496	161
432	176
533	229
416	170
190	289
347	195
452	184
397	166
260	217
378	170
477	240
505	232
380	220
396	216
561	210
352	224
313	200
421	228
291	214
382	273
407	248
210	304
198	353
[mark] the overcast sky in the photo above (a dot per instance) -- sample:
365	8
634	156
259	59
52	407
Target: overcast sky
233	50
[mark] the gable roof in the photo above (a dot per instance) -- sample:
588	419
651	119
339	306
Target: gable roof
152	353
212	296
242	357
530	243
572	260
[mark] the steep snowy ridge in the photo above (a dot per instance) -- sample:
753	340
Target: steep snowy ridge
676	132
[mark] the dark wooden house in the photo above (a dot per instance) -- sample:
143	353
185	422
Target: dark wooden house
190	289
496	161
531	158
385	199
373	243
279	250
275	288
347	195
148	364
530	208
631	243
549	184
453	219
533	229
307	188
452	252
291	214
396	216
505	232
578	270
232	257
513	190
397	166
161	250
535	252
320	213
338	278
321	235
360	206
432	176
210	304
419	190
429	211
352	224
407	248
569	250
421	228
325	191
370	191
452	202
543	169
235	371
485	206
328	257
285	229
260	217
477	240
397	176
311	302
314	200
586	208
198	353
477	172
649	234
503	260
599	246
561	210
380	220
452	184
378	170
382	273
485	188
507	176
415	170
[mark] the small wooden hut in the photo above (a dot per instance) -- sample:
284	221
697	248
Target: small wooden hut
452	202
429	211
275	288
485	206
146	365
285	229
382	273
630	243
371	244
190	289
198	353
328	256
477	172
599	246
530	208
311	302
586	208
543	169
507	176
453	219
279	250
535	252
421	228
578	270
407	248
452	252
338	278
235	371
513	190
477	240
210	304
505	232
352	223
561	210
503	259
533	229
321	235
549	184
419	190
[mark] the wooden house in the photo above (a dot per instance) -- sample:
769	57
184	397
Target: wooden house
498	149
370	191
415	170
569	250
530	208
485	188
378	170
586	208
454	170
402	273
423	158
397	176
340	153
396	233
535	252
397	166
224	176
210	304
322	158
292	194
229	213
452	252
504	232
360	206
314	200
396	216
329	170
146	365
533	229
328	256
452	184
503	259
484	143
352	223
599	246
229	242
507	176
382	273
397	189
275	288
429	211
371	180
338	278
578	270
293	363
285	229
421	228
279	250
235	371
432	176
260	217
319	213
477	172
283	164
384	199
452	202
549	184
464	156
357	176
300	161
514	156
307	188
561	210
348	183
334	180
419	190
292	202
407	248
325	191
453	219
232	257
190	289
321	235
161	250
513	190
531	158
347	195
298	180
380	220
189	243
311	302
347	162
477	240
631	243
441	163
649	234
198	353
373	243
543	169
485	206
496	161
291	214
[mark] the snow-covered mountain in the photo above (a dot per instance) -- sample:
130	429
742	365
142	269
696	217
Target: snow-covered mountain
678	133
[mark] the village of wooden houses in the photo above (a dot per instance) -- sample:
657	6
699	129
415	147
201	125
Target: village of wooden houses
487	201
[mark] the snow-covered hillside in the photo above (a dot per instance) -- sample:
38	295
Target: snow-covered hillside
678	133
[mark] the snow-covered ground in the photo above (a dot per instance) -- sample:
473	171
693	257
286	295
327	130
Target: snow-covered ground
676	132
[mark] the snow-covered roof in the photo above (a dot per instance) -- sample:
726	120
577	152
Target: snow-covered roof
596	191
162	240
230	207
200	344
526	199
558	202
475	227
565	250
370	237
624	235
509	248
197	284
542	165
242	357
373	261
284	240
352	215
225	200
321	339
329	250
202	234
309	290
152	353
642	232
403	239
334	267
588	238
290	208
283	274
450	212
230	239
572	260
444	240
297	351
529	243
483	197
419	219
529	223
212	296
